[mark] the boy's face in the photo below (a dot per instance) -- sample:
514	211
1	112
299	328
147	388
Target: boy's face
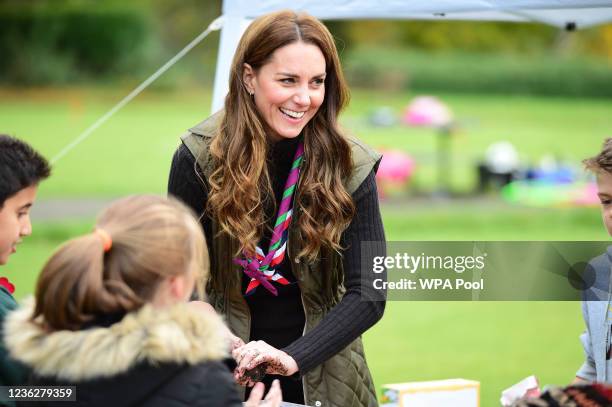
604	191
15	221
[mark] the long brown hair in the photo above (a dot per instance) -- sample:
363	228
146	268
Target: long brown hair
152	238
240	183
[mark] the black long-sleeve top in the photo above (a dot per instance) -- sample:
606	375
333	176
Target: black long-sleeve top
280	320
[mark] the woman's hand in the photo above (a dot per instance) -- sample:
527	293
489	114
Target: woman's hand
273	398
204	307
257	353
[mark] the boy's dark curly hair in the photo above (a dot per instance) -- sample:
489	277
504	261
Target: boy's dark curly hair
20	167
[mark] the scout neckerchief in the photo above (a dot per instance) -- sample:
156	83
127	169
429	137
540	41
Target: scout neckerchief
261	267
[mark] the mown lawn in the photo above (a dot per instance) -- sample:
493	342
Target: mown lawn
132	152
497	343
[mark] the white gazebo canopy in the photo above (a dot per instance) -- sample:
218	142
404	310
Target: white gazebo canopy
238	14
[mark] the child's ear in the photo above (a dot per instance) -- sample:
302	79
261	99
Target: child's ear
182	286
178	287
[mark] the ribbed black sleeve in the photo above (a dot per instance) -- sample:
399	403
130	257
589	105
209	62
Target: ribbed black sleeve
184	184
352	315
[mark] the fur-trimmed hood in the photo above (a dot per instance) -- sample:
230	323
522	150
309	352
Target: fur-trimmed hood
177	334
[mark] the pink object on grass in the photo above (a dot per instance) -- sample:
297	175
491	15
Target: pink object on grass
395	166
394	171
427	111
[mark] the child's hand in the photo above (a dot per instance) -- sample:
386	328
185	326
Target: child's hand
273	398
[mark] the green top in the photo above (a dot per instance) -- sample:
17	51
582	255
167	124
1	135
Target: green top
11	373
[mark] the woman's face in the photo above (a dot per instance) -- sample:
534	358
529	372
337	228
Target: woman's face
289	89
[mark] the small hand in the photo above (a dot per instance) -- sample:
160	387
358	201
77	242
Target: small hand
273	398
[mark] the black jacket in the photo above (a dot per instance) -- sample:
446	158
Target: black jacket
151	357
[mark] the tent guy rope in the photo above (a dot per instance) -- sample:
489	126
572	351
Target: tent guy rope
214	26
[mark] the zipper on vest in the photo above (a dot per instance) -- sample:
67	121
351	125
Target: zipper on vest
297	261
246	308
304	333
242	390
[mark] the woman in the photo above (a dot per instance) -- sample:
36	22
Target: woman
111	315
286	200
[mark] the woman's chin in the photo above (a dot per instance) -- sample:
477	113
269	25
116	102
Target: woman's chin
285	134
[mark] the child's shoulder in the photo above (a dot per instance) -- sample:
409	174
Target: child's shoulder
602	261
7	301
599	272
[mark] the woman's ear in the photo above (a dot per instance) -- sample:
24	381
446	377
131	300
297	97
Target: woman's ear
248	78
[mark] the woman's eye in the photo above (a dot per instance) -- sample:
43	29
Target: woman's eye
288	80
606	202
319	81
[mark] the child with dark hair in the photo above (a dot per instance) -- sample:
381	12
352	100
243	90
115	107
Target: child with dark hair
21	169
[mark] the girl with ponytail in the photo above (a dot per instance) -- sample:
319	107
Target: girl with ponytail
111	315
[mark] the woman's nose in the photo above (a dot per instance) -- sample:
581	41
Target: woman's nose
302	97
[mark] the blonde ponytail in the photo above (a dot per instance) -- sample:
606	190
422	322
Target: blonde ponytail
152	238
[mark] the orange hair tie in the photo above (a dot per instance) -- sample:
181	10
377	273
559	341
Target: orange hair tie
107	242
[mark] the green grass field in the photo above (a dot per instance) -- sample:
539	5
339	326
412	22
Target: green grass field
132	152
497	343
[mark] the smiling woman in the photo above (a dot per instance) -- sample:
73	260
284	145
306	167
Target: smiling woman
274	171
289	89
